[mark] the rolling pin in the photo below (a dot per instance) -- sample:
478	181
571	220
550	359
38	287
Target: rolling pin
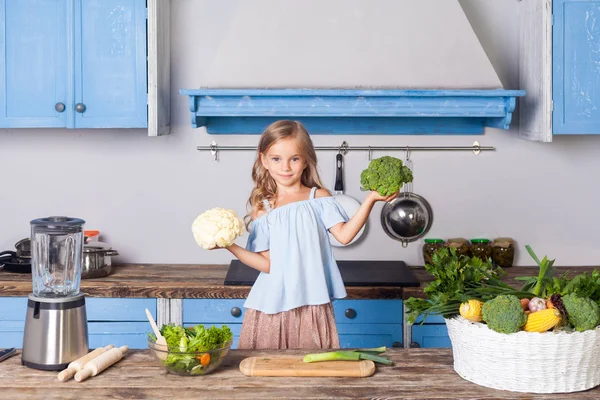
100	363
77	365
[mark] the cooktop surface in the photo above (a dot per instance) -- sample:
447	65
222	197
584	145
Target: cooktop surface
354	273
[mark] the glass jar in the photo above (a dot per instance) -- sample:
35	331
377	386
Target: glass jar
503	252
430	247
481	248
461	245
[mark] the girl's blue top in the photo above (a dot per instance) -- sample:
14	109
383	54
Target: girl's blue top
303	269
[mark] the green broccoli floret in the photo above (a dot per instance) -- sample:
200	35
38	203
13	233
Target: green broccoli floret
584	313
504	314
386	175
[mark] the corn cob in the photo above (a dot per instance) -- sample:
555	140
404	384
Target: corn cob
543	320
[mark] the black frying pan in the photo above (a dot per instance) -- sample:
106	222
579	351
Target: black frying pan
11	263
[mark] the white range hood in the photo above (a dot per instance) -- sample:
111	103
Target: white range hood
390	67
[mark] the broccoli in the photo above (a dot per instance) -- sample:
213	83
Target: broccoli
583	313
504	314
386	175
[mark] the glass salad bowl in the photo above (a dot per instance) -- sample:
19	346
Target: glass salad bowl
193	350
180	362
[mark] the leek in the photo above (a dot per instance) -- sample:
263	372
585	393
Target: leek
346	356
332	356
377	350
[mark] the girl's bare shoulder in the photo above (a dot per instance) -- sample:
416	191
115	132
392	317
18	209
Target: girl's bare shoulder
322	193
258	213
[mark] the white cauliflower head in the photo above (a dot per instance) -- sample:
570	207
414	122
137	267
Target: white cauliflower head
217	227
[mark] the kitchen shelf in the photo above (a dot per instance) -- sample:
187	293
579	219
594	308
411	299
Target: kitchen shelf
335	112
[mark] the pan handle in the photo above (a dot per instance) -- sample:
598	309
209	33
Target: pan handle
339	176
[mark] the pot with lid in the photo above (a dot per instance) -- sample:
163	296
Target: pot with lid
97	260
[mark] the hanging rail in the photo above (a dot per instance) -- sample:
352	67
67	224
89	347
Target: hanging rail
476	148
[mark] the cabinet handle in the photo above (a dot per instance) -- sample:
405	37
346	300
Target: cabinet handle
397	344
350	313
236	312
60	107
80	107
415	345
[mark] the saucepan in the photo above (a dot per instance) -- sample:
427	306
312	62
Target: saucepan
97	260
348	203
409	216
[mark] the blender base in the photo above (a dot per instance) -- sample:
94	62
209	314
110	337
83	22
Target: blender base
55	332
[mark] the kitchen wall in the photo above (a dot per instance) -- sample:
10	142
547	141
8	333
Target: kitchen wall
143	193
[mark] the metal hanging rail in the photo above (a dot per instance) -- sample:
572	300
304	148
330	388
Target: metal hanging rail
476	148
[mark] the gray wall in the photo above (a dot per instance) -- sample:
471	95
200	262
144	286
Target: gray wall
143	193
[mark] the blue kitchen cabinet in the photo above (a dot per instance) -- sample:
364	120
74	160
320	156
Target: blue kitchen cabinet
110	321
73	64
216	312
360	323
369	323
576	66
34	63
432	333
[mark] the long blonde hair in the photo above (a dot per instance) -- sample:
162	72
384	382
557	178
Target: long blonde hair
264	185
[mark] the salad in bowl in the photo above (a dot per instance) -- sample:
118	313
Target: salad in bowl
194	350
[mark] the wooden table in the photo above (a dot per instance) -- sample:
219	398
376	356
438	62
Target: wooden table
170	281
416	374
177	281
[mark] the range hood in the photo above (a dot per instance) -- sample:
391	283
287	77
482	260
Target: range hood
326	111
406	67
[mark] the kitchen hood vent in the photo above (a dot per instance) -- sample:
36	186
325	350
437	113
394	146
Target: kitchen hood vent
332	111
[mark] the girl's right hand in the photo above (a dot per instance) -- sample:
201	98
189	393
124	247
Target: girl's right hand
375	196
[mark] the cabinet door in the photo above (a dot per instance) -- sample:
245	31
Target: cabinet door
33	63
576	67
110	64
431	335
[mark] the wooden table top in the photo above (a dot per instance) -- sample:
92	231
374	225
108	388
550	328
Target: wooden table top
175	281
179	281
416	374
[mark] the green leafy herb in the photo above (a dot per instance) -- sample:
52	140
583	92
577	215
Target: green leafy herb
457	278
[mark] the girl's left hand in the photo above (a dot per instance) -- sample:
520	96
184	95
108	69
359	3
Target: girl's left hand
374	196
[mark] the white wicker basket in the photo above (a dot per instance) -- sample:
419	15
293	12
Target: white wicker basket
550	362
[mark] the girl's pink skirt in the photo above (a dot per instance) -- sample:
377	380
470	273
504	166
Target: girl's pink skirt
306	327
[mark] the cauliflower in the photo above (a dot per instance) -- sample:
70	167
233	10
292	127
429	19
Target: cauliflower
583	313
217	227
504	314
386	175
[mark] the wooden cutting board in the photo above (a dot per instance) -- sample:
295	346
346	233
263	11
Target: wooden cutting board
294	366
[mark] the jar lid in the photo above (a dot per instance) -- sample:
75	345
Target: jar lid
434	240
503	242
480	240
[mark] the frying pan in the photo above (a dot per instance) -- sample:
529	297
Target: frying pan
12	263
349	204
408	217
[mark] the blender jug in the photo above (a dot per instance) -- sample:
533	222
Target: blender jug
56	256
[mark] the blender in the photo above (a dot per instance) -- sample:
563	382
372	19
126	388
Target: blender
56	323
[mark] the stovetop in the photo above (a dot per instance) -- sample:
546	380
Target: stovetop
354	273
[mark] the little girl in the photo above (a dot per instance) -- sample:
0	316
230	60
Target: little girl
289	306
